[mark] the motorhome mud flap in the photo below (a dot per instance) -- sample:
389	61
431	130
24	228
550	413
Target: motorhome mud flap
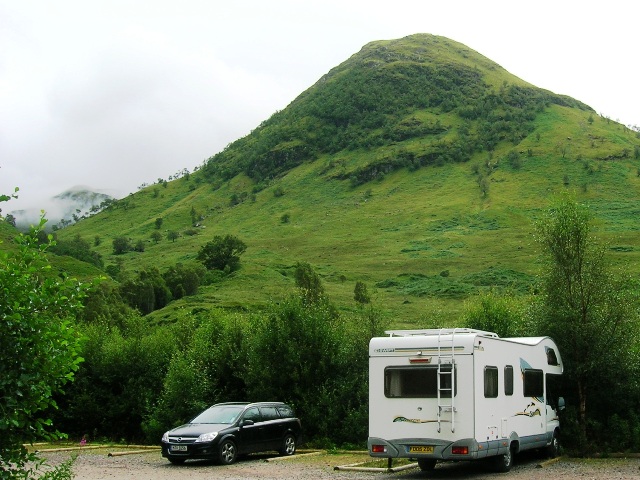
491	448
534	441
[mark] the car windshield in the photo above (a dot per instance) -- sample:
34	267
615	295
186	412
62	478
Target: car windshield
219	414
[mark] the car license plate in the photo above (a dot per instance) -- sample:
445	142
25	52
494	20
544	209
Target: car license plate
178	448
421	449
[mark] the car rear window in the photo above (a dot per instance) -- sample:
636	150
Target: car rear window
285	411
269	413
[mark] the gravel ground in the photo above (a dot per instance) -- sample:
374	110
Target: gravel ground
97	465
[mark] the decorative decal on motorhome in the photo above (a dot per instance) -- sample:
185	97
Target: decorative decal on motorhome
414	420
416	350
529	411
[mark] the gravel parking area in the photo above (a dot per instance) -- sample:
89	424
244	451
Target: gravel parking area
97	465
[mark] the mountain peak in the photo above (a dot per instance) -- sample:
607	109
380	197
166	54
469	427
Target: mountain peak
438	98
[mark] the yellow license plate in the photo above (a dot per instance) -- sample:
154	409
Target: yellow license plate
421	449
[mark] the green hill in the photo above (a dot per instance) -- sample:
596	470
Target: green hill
416	166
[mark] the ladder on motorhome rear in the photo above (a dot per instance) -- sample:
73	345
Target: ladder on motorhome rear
446	376
446	369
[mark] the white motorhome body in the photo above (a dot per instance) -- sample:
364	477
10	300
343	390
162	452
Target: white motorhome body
461	394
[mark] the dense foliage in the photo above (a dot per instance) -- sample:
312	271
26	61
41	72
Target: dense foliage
39	350
592	314
138	382
146	290
77	248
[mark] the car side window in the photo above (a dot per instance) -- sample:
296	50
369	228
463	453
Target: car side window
252	414
269	413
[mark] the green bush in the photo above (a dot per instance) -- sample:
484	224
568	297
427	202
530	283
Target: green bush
496	313
79	249
122	376
209	369
183	279
39	349
285	361
147	291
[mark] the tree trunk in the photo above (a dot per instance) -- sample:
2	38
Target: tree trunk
582	413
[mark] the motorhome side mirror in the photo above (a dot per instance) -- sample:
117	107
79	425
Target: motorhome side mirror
561	403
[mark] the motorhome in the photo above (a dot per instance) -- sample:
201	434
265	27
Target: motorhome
462	394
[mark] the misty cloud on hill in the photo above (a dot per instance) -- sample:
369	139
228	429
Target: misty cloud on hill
79	201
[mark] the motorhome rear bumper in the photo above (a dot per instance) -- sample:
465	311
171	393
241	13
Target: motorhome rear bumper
462	449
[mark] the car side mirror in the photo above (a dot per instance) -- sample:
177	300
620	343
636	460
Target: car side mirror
247	422
561	403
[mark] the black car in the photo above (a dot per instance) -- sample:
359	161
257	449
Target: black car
226	430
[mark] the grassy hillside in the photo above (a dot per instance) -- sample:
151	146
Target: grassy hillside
416	166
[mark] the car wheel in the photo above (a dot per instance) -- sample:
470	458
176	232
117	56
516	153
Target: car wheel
227	453
426	464
177	461
288	445
503	463
553	450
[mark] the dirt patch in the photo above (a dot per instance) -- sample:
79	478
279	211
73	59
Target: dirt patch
97	465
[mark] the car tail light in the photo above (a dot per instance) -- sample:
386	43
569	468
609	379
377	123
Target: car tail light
378	449
460	450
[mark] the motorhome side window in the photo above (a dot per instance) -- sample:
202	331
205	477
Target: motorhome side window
418	382
553	389
508	380
533	383
552	358
490	382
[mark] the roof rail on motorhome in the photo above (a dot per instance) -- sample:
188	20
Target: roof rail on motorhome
439	332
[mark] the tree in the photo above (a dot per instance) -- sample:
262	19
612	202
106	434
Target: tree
10	219
121	245
147	291
39	348
582	306
172	235
139	246
496	313
222	253
360	293
158	223
308	281
156	236
79	249
183	279
290	334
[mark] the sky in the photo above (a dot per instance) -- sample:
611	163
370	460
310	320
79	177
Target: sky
113	94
